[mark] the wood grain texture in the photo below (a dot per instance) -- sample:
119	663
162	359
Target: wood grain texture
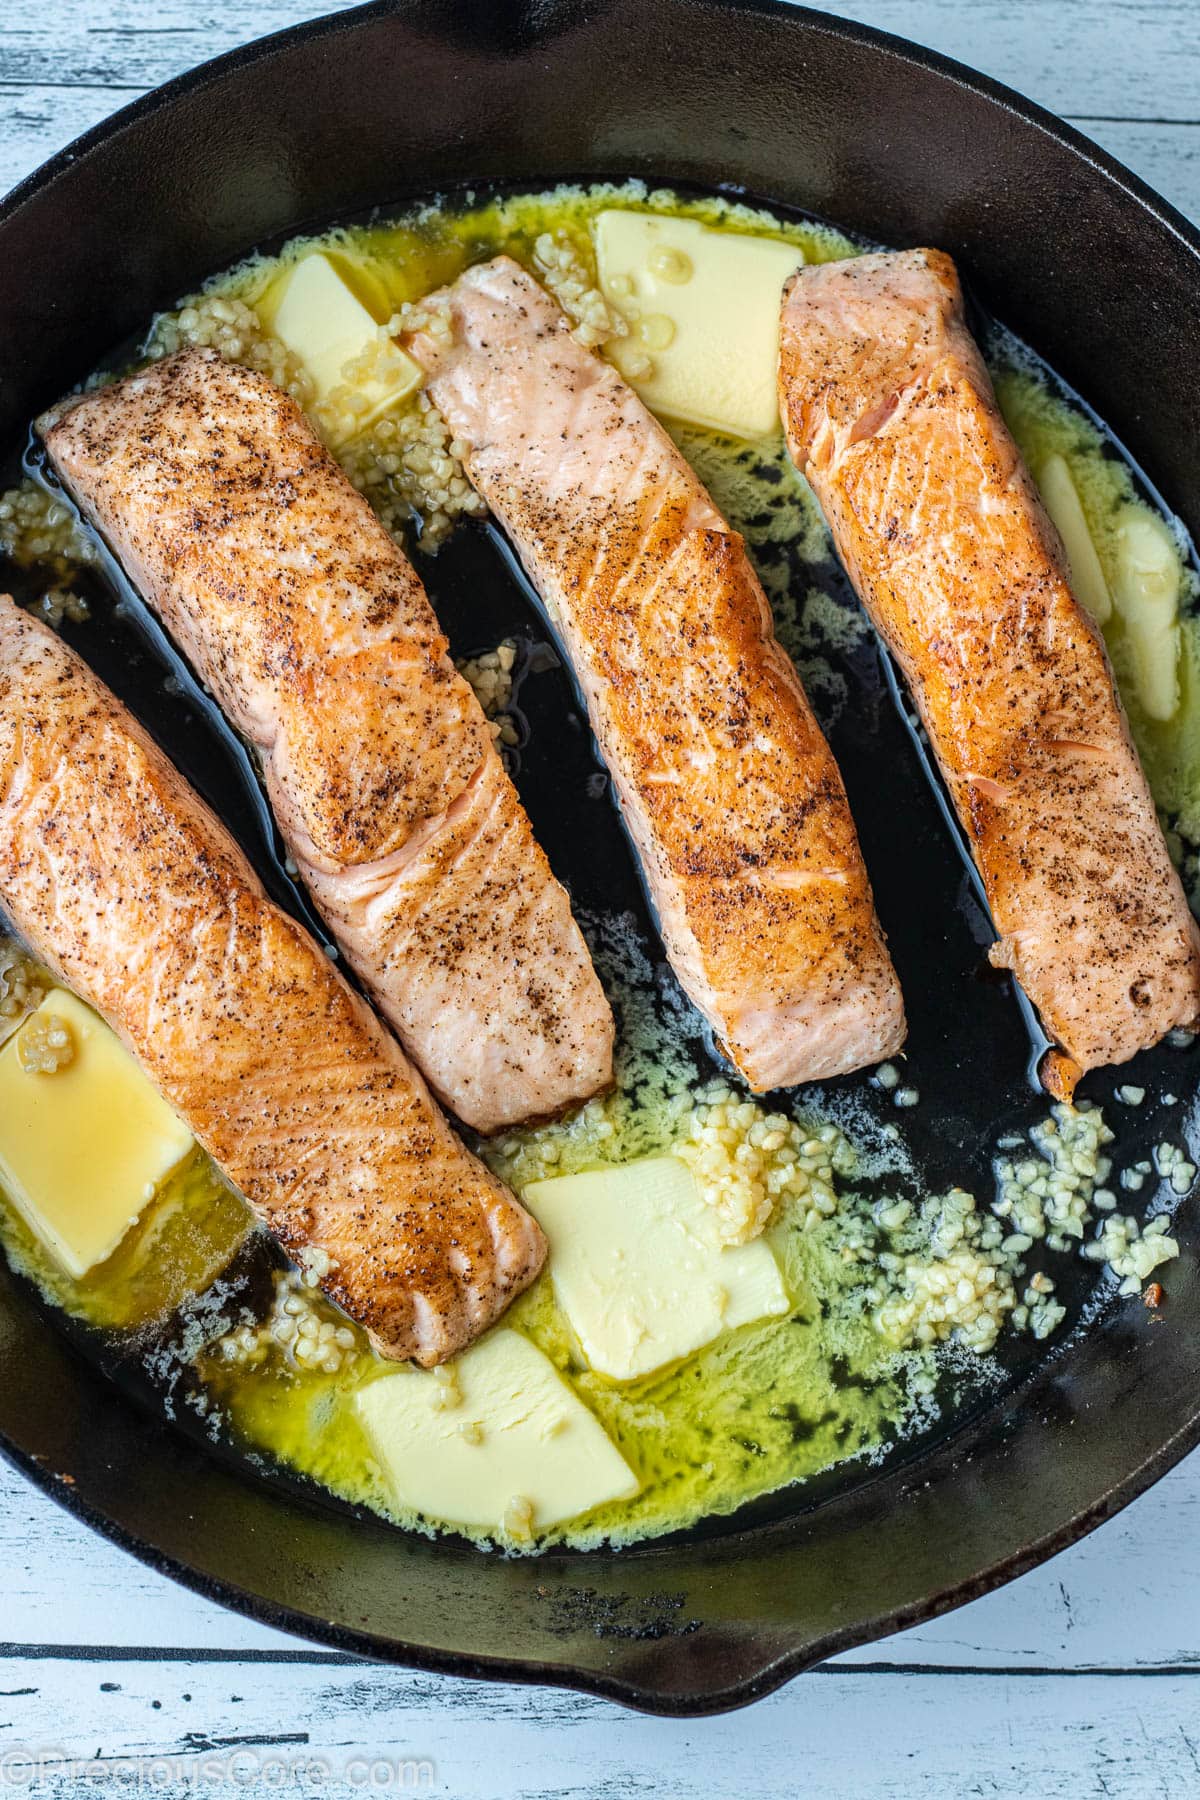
842	1732
1081	1679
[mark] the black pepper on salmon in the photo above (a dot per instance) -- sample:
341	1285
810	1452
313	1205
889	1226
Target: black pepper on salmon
890	414
730	791
123	883
314	632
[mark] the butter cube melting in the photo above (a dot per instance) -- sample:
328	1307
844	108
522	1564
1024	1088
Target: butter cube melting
1146	593
496	1434
639	1268
703	310
322	320
1061	499
84	1148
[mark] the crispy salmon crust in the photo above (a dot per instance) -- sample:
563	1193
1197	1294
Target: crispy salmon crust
728	787
890	414
124	883
315	634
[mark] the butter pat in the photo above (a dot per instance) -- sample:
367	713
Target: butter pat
1146	593
639	1268
703	311
495	1439
1061	500
324	321
83	1148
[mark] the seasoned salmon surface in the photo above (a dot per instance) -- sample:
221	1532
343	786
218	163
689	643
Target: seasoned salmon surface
315	634
890	414
730	792
124	883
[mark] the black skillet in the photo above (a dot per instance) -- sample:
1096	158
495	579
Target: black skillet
1069	250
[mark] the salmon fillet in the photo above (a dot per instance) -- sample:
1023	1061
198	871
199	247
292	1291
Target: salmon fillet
127	887
890	414
314	632
729	790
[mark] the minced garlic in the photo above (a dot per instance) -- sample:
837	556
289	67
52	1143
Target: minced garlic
315	1265
23	986
746	1161
230	326
491	676
37	526
46	1045
565	268
449	1391
518	1518
408	465
57	604
1049	1194
342	413
300	1328
404	463
1133	1252
959	1288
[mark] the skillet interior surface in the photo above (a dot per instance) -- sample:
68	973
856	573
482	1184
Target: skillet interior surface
900	148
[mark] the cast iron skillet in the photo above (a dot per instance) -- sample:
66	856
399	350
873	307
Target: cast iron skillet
1066	247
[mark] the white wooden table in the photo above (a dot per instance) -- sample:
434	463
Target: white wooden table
1082	1679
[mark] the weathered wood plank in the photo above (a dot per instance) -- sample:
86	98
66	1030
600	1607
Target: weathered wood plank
1136	59
37	121
135	43
843	1732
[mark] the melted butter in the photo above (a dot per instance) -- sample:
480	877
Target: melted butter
777	1401
761	1407
404	260
183	1241
767	1405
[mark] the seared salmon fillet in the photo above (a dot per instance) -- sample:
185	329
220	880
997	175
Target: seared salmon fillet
729	790
122	881
890	414
314	632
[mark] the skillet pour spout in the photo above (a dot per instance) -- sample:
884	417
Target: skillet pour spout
410	97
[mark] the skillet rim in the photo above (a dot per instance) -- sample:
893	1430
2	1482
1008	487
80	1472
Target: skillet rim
362	1645
194	80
